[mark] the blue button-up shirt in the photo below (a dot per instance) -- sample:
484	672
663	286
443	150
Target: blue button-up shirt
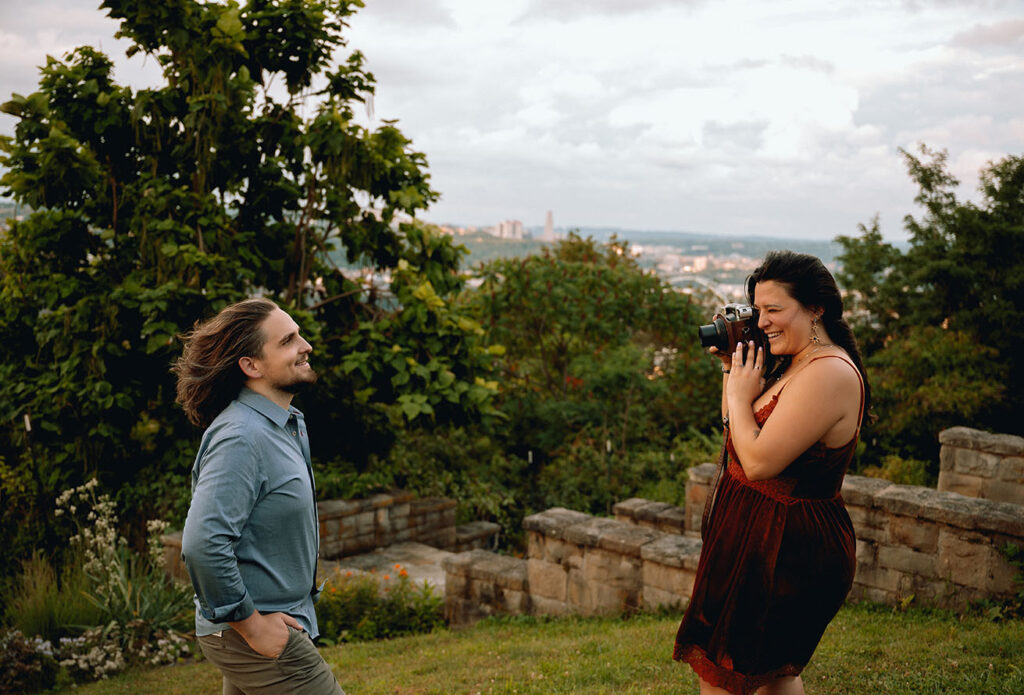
251	536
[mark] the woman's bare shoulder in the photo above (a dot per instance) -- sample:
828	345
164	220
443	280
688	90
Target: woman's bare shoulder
834	368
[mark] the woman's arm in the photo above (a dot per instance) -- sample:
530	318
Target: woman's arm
726	365
824	395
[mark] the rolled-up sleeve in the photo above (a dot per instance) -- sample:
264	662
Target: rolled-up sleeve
226	487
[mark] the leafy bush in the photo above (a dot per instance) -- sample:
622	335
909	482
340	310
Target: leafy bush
359	606
26	664
901	471
587	476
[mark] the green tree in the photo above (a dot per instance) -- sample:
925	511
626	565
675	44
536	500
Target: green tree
156	207
600	362
941	322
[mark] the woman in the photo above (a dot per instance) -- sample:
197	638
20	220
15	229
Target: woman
778	556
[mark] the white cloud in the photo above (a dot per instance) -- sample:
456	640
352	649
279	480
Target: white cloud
735	116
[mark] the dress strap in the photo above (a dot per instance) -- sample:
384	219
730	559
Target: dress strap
860	380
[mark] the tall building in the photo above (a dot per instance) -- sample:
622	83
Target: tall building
509	229
549	228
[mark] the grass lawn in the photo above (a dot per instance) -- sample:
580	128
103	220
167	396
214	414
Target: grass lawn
867	649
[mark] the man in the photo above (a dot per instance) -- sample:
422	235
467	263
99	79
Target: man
251	537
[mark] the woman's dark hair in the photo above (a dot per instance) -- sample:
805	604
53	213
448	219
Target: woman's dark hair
809	282
208	373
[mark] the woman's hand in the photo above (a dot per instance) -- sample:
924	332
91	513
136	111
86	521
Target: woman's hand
725	357
746	378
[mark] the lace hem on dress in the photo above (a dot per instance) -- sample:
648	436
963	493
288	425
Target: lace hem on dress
722	677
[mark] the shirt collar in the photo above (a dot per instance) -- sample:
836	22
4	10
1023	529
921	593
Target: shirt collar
266	407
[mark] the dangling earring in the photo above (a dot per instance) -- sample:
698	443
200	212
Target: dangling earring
814	332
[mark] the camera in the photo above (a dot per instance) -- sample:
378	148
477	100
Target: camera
735	323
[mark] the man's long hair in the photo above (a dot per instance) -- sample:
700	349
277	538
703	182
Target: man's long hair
208	373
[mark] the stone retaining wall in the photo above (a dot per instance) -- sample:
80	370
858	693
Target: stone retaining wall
939	548
479	584
981	464
942	548
350	527
577	564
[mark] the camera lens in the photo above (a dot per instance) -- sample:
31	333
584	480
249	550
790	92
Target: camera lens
713	334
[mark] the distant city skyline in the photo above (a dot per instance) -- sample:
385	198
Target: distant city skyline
730	118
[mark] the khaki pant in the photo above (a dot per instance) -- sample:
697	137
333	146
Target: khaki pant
298	669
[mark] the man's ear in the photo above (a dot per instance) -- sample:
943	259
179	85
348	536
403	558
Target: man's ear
249	368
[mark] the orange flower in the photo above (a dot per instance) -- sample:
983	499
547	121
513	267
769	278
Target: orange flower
349	573
387	576
403	573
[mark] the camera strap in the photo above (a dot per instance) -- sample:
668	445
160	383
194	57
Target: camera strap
709	504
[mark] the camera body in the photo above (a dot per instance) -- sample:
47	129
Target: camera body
735	323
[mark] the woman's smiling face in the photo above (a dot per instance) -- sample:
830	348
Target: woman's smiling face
785	322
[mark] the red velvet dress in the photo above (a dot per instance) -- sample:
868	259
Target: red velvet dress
777	562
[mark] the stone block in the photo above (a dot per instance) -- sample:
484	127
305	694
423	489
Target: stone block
702	474
626	539
655	598
400	512
968	438
613	569
967	485
672	520
331	509
917	534
458	563
969	559
554	522
364	522
551	549
499	570
547	579
460	612
953	509
878	578
859	490
648	513
999	490
863	592
541	605
456	585
512	602
1011	469
588	533
947	459
626	509
380	500
908	561
332	548
673	551
867	553
675	580
979	463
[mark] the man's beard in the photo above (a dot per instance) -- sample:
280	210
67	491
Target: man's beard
300	385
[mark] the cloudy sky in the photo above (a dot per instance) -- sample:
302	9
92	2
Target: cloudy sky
779	117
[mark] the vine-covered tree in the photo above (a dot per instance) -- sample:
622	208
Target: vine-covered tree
153	208
943	322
